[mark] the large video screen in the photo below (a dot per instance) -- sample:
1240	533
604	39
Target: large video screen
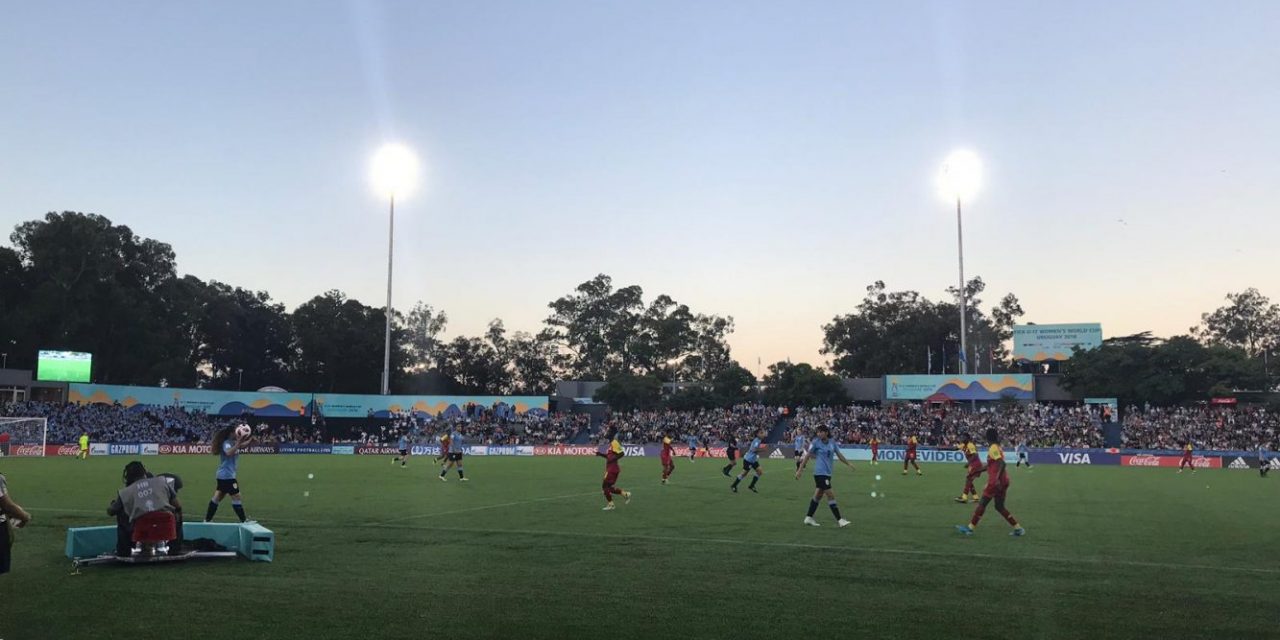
64	366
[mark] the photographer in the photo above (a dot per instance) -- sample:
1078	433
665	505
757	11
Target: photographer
11	514
144	493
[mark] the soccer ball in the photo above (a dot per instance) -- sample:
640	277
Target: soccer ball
243	431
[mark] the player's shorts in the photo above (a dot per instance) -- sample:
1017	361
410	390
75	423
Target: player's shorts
748	465
455	456
822	482
997	491
975	468
911	455
404	452
610	479
229	487
731	453
666	461
799	454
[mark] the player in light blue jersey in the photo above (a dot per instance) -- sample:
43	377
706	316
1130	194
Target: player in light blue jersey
228	443
457	444
404	444
1023	458
751	462
692	441
823	451
799	441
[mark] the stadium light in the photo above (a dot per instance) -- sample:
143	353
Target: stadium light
959	179
394	172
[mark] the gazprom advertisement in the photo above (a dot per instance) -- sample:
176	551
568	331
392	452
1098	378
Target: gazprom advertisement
286	404
1042	342
1016	386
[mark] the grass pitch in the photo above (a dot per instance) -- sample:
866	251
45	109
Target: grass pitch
367	549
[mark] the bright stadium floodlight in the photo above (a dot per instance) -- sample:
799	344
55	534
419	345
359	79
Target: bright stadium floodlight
959	180
960	176
394	170
394	173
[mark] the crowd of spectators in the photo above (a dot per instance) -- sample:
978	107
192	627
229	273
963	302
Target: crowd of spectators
1036	425
1205	427
709	426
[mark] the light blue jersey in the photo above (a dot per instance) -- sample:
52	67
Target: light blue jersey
799	444
753	451
693	442
823	454
456	442
227	463
404	442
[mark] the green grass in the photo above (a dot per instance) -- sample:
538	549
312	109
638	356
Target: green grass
523	551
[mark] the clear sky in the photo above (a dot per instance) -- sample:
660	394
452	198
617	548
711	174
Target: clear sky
765	160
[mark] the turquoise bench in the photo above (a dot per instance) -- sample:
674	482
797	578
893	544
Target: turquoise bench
252	541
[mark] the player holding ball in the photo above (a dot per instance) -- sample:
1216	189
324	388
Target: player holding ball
228	443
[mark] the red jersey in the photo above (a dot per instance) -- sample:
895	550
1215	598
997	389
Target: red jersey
971	454
1186	450
875	444
611	457
444	445
666	450
911	445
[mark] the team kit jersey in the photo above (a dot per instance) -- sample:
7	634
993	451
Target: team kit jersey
226	474
799	445
404	445
456	443
752	458
911	448
823	454
970	451
997	474
667	450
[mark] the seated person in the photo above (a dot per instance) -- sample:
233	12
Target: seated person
144	493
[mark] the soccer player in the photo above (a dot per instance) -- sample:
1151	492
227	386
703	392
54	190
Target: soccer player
1022	453
750	462
404	445
875	449
910	457
730	452
798	442
444	448
9	510
1263	464
84	446
611	456
822	451
997	488
692	441
227	445
454	458
974	468
668	464
1186	458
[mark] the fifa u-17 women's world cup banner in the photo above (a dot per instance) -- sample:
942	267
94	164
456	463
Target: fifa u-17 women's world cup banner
280	404
1015	386
1043	342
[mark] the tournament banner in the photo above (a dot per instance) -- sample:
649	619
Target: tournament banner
1146	460
923	455
1015	386
292	448
220	403
1045	342
350	405
343	450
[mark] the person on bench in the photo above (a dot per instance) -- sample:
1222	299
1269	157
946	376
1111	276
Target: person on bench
142	494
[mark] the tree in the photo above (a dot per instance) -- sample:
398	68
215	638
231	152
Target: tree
247	338
1250	323
423	326
1140	369
802	385
599	329
478	365
734	385
628	392
339	345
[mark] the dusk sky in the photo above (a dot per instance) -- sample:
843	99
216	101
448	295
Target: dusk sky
764	160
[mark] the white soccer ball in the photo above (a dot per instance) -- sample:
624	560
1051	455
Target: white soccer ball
243	431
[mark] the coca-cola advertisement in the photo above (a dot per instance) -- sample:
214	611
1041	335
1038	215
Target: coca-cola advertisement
1146	460
26	450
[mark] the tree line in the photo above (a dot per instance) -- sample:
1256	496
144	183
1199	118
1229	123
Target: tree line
77	281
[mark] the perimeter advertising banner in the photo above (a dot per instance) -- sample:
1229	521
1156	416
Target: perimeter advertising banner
1042	342
1016	386
286	404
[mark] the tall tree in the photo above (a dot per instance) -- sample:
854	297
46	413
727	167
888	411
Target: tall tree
803	385
339	345
1250	322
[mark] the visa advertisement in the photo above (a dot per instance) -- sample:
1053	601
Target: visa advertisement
287	404
1015	386
1044	342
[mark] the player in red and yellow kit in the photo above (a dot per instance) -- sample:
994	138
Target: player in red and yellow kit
875	449
997	489
444	448
1186	458
973	468
910	458
611	456
668	462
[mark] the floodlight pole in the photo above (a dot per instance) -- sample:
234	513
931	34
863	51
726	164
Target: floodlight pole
386	352
964	343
